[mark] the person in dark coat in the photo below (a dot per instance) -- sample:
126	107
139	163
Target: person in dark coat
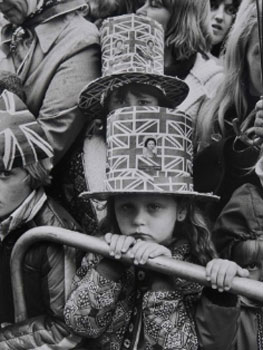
25	165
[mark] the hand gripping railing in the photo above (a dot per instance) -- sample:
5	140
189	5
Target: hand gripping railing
189	271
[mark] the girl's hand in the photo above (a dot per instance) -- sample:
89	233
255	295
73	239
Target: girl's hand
119	244
258	124
221	273
143	250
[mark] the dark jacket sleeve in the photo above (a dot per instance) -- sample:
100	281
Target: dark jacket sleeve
217	320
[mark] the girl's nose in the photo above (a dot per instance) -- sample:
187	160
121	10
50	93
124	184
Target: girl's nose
220	13
139	218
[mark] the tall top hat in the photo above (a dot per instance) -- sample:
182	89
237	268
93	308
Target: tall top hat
22	140
132	52
149	150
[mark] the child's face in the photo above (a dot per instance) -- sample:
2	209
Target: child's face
13	190
148	217
155	10
130	100
249	255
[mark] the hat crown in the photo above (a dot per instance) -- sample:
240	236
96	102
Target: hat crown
149	149
132	43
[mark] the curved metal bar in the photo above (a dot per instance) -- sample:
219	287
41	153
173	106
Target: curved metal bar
189	271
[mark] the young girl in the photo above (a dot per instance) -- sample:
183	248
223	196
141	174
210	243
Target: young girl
152	211
188	39
223	13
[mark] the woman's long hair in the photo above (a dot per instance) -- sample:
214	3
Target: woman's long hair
188	30
194	228
233	90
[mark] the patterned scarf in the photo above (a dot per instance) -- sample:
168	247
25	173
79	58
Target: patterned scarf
24	213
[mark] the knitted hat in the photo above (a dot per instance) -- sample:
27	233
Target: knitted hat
22	140
132	52
149	150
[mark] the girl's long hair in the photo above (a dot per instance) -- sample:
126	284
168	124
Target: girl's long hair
195	229
233	90
188	30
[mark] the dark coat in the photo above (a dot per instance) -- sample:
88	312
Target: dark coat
48	270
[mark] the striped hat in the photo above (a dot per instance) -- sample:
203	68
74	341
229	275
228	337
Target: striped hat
22	140
149	150
132	52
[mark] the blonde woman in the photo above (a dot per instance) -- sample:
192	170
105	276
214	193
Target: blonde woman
188	38
224	161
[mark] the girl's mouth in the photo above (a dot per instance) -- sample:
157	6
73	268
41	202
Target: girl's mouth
216	27
142	236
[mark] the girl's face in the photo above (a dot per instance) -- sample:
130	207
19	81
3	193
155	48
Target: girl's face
130	100
253	63
15	11
155	10
13	190
148	217
222	17
248	254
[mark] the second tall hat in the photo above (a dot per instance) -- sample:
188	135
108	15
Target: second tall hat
132	52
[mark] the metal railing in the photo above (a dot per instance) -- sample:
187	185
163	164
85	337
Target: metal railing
243	286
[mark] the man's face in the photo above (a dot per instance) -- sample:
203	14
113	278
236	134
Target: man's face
14	189
15	11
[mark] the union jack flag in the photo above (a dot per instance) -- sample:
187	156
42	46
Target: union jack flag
22	140
129	168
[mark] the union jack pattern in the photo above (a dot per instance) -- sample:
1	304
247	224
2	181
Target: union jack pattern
169	169
132	52
22	141
132	44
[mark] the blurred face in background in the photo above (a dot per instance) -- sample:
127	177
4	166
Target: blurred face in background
155	9
253	64
222	16
15	11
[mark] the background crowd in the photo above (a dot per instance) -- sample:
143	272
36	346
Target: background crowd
139	122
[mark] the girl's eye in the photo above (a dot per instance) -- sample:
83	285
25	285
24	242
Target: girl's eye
5	174
154	207
144	102
118	101
251	267
126	207
214	7
230	10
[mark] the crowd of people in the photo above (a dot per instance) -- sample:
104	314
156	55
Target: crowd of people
139	122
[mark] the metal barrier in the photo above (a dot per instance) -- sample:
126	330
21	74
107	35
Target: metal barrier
189	271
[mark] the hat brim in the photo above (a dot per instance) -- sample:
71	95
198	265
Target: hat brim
103	196
174	89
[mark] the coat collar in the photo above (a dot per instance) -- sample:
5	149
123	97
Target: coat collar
24	213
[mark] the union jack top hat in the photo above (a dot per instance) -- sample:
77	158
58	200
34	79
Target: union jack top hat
22	140
132	52
149	150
